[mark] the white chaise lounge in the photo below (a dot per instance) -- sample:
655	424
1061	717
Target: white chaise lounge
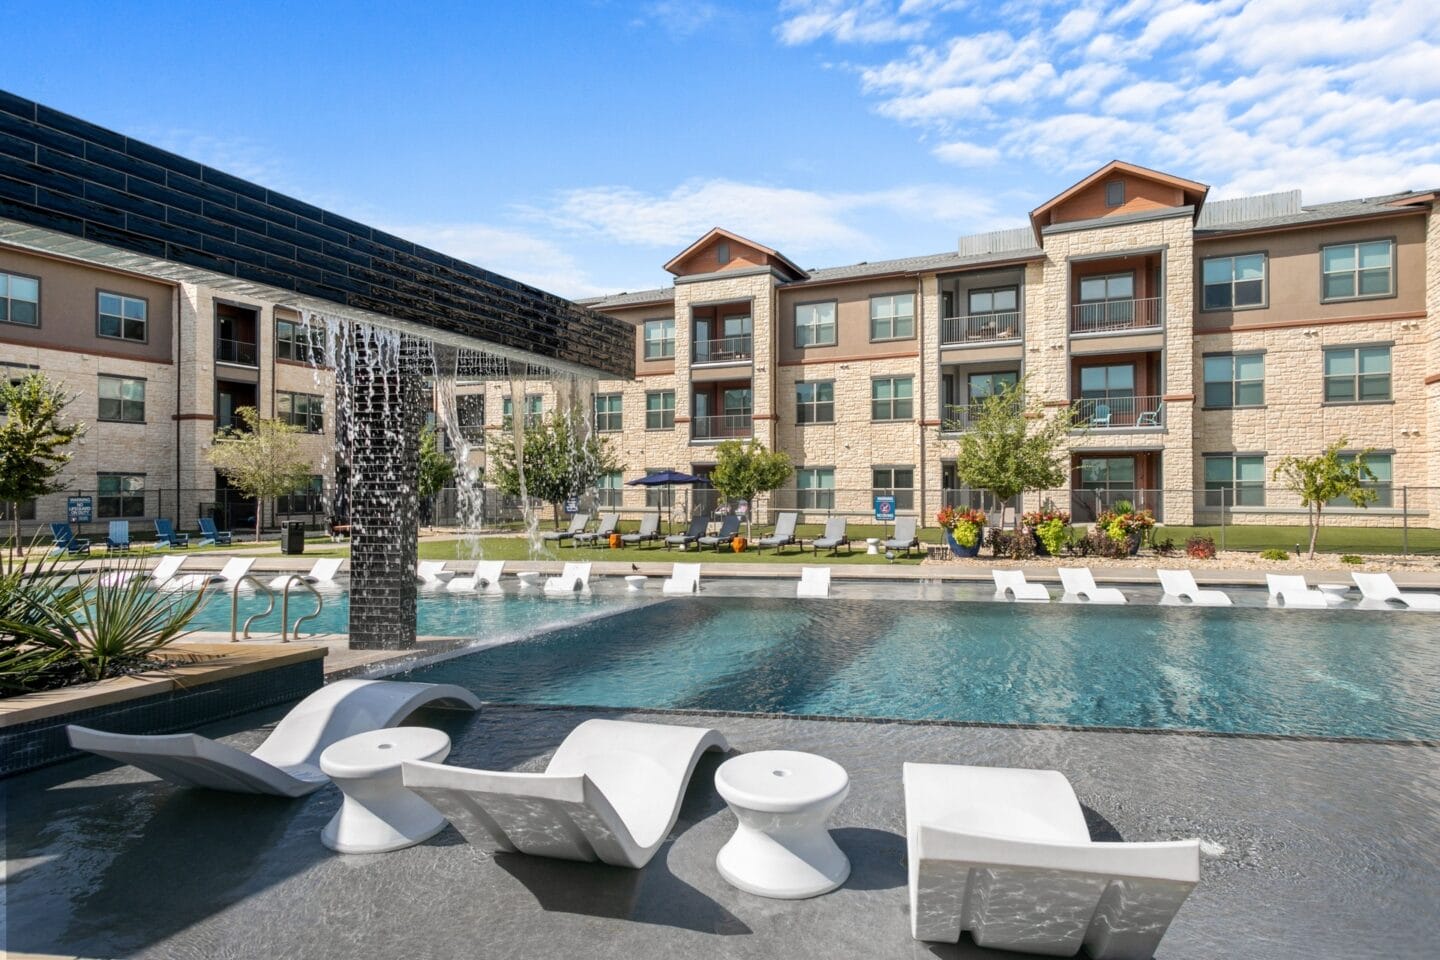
1080	587
1006	855
1180	587
487	575
1378	591
1290	590
814	582
684	578
575	578
322	573
611	793
160	574
1011	585
287	764
432	573
235	569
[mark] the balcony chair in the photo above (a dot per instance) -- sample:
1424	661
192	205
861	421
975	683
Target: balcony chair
1151	418
1101	416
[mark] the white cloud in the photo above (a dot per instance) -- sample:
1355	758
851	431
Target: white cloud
964	154
865	21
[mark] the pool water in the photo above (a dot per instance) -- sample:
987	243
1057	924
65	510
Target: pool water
1370	675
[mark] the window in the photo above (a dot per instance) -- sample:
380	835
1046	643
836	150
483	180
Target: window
815	402
607	413
660	410
1115	193
1242	476
1235	380
297	341
722	253
308	499
303	410
997	313
897	482
19	300
662	497
470	416
124	318
815	488
815	324
1108	473
1380	466
659	338
8	514
120	495
1357	374
1118	286
1351	271
534	407
608	489
892	317
1107	303
1231	283
122	399
891	398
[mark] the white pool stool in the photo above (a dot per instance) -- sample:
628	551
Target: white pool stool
378	813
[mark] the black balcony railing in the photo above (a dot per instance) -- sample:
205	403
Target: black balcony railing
980	328
237	351
1106	315
725	349
729	426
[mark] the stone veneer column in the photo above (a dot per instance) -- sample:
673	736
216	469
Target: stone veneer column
385	417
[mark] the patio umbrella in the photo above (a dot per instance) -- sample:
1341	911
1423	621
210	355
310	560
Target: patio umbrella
667	479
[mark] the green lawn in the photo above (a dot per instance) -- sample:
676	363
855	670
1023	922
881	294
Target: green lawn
1336	539
517	548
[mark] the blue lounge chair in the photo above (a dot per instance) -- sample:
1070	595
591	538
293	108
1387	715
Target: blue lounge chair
66	541
166	536
119	536
209	536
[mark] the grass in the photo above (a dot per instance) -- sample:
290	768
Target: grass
1332	539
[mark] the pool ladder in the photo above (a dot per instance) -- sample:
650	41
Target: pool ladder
290	582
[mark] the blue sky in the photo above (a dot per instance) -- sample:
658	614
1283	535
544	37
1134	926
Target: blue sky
579	145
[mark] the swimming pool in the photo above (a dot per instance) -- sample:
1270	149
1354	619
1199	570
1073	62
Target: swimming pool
1338	673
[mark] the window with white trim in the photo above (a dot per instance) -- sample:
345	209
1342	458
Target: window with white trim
892	316
608	412
660	338
660	410
19	300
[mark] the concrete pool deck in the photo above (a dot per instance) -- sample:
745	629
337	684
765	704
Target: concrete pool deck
1315	850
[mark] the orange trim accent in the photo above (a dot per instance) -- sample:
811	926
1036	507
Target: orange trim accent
765	416
1178	398
878	356
192	416
932	423
1319	322
655	373
682	419
1433	378
87	353
1057	403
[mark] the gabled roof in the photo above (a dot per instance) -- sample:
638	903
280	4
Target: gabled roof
1194	192
720	233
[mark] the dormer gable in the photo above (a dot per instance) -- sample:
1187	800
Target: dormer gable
720	250
1117	189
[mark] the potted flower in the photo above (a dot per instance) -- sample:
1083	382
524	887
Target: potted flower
962	529
1051	528
738	544
1125	525
615	541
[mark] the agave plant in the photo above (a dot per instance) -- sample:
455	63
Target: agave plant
31	594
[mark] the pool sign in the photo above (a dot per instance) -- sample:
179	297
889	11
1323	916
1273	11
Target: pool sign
79	509
885	509
572	504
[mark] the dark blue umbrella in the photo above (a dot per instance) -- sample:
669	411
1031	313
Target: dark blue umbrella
666	478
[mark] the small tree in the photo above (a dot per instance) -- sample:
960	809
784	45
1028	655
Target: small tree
263	460
743	470
558	462
1318	480
1011	446
436	468
33	438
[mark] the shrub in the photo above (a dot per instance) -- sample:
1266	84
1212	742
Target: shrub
1053	533
1166	547
1098	543
1274	553
1200	548
1352	559
1014	546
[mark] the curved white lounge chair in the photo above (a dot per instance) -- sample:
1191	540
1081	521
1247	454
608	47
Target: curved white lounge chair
323	572
814	582
235	568
432	573
1377	591
575	578
1006	855
162	573
1290	590
287	764
1180	587
611	793
1011	585
1080	587
684	578
487	574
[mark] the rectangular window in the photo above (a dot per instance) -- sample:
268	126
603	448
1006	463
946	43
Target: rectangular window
534	409
892	398
892	317
609	491
1357	374
1108	473
608	413
1354	271
660	410
1115	193
1234	481
308	499
470	416
303	410
19	300
897	482
295	340
662	497
122	399
120	495
1235	380
815	324
1233	283
815	488
815	402
122	317
660	339
1380	465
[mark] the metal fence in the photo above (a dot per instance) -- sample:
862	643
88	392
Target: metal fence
142	507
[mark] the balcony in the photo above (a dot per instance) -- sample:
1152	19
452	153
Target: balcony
1119	413
959	417
729	426
980	328
739	349
237	351
1107	316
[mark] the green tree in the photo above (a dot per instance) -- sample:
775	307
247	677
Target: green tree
1010	446
560	459
33	438
261	458
743	470
1329	476
436	469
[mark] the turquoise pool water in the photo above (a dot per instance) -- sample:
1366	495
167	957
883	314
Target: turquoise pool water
1328	673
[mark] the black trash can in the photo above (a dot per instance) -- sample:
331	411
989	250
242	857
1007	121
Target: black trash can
292	537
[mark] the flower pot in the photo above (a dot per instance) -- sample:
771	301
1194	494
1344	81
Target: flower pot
958	550
1040	549
615	541
1135	544
738	544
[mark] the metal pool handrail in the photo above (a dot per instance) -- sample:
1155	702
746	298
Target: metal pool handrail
235	606
290	581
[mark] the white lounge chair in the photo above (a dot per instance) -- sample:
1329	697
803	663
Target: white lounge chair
684	578
814	582
1290	590
487	574
577	525
575	578
432	573
1006	855
611	793
323	572
1377	591
235	569
1180	587
1011	585
1080	587
287	764
162	573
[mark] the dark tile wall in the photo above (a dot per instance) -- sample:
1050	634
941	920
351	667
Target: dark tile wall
67	175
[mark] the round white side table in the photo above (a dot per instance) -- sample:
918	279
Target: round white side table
635	583
378	813
872	545
1335	592
783	800
528	578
